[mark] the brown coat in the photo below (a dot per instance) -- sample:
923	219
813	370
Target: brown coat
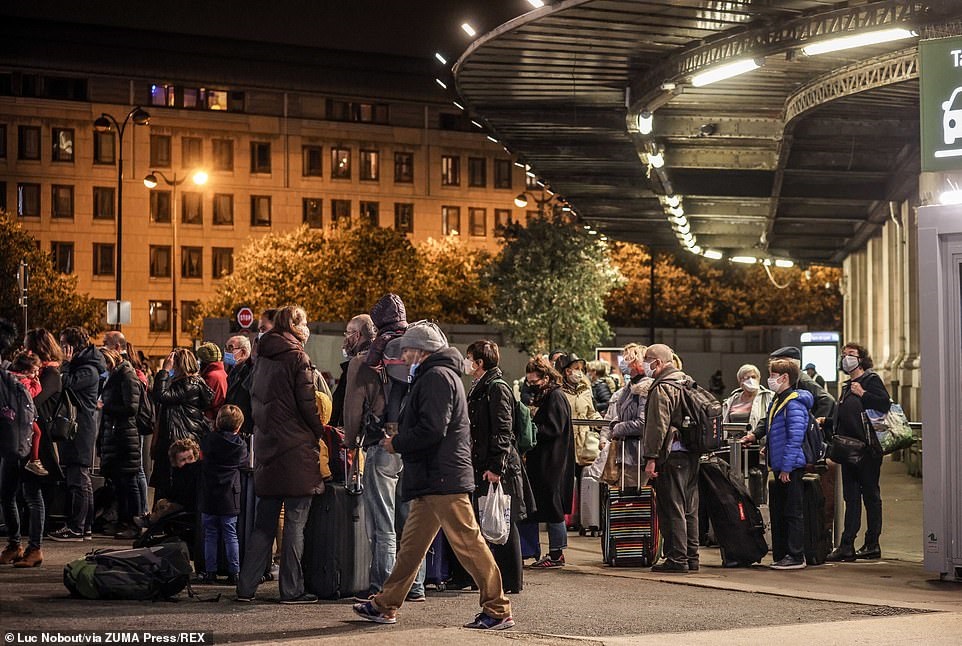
660	422
286	424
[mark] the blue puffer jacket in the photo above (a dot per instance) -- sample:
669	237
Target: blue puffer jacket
787	421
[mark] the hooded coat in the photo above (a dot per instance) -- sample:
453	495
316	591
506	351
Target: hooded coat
215	377
82	376
551	463
181	402
286	423
434	432
582	407
119	438
224	453
787	423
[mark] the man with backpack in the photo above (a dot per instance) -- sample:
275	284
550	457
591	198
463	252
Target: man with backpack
670	465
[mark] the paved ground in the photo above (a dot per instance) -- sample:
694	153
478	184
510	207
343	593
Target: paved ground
584	603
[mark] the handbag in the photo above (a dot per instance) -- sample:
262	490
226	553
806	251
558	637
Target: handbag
61	425
891	429
846	450
611	473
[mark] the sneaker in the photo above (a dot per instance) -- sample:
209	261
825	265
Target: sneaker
368	612
206	578
415	598
789	563
11	553
36	468
363	597
243	599
548	562
484	621
304	598
669	567
88	535
66	535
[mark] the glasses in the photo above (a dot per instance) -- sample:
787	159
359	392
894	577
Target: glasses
229	348
350	333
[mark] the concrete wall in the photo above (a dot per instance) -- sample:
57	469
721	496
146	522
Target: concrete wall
881	305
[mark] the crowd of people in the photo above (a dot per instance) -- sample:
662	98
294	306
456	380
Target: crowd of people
430	447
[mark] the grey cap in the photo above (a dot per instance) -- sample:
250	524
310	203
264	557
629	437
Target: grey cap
810	365
424	335
788	352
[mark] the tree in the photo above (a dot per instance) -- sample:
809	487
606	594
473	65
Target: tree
550	281
451	285
53	301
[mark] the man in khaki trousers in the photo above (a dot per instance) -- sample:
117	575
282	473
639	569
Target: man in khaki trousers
434	440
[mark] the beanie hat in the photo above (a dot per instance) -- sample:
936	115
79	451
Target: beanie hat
208	353
424	335
388	312
788	352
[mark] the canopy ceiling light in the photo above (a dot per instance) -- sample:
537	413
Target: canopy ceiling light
537	4
440	58
951	197
784	264
657	160
677	211
745	260
673	201
726	71
468	29
441	83
712	254
858	40
645	122
458	105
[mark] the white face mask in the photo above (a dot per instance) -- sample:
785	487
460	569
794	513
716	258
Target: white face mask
576	376
849	363
468	366
750	384
646	366
775	384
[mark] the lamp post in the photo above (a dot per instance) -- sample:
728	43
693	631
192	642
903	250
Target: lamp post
105	123
199	177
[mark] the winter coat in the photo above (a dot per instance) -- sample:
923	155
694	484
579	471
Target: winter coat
787	421
337	397
184	484
224	453
364	395
286	423
82	376
50	388
582	407
661	427
847	419
239	393
551	463
629	425
601	392
181	404
119	440
763	398
434	433
824	404
215	377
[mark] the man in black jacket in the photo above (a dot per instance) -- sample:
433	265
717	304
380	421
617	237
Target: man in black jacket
238	348
434	440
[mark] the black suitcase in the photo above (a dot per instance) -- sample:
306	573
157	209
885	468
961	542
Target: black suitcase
337	553
736	520
818	527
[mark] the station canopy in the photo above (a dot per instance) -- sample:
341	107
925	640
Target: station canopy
798	159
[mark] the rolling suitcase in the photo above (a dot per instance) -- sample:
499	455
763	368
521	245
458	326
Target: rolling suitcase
590	497
438	569
530	540
630	537
818	526
337	553
736	520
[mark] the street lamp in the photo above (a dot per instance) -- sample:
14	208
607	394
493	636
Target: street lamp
199	177
546	197
105	123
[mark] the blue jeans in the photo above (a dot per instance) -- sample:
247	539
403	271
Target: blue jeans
557	536
142	481
382	476
216	527
81	498
12	479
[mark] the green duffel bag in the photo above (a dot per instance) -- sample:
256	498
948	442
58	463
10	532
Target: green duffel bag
144	574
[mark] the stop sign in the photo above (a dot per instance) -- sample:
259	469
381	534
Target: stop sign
245	317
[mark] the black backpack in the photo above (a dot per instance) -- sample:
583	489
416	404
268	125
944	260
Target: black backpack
813	444
17	414
699	422
145	411
144	574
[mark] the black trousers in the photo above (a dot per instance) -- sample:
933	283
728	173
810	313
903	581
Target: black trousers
507	557
788	525
860	484
676	488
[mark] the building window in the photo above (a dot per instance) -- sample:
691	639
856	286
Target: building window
369	214
105	151
260	210
403	168
312	216
369	165
450	170
260	157
478	222
28	142
61	201
340	163
341	214
159	316
502	173
531	181
191	262
62	256
451	220
3	196
312	161
223	208
192	208
404	217
103	259
3	141
160	151
188	310
502	218
223	154
62	140
159	261
356	111
163	95
28	200
222	261
192	151
104	201
160	206
477	172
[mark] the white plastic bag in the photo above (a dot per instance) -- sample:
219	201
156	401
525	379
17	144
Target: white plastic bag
595	468
494	513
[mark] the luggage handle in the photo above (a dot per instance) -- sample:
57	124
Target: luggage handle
638	464
352	472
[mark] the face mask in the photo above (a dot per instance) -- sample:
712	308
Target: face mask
468	366
229	359
171	372
307	333
534	387
259	335
775	384
576	376
849	363
344	354
646	366
413	369
623	367
347	348
750	384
